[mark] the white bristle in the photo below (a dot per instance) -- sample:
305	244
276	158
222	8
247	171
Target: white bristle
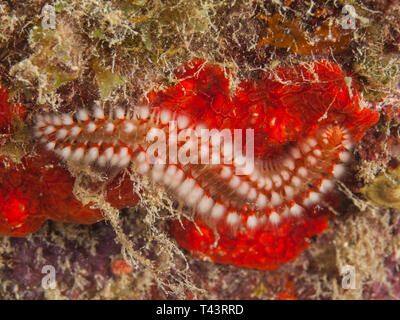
62	133
312	160
57	120
195	196
295	153
177	179
92	154
302	172
312	198
276	199
101	161
285	175
268	183
274	218
119	113
252	222
252	195
289	191
277	180
98	113
260	183
339	170
345	156
75	131
304	147
226	172
110	127
296	181
140	158
186	187
82	115
143	167
108	153
326	185
50	145
65	152
49	130
78	154
289	163
217	211
243	188
311	142
296	210
165	116
317	153
205	205
232	218
123	152
234	182
183	122
157	172
144	112
261	202
67	119
91	127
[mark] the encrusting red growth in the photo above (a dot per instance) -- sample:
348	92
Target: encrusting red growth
305	119
39	188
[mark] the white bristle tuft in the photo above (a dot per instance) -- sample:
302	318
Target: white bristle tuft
289	163
65	152
289	191
195	195
205	204
252	222
234	182
274	218
183	122
326	186
51	145
75	131
98	113
165	116
217	211
296	210
119	114
243	188
49	130
296	181
345	156
67	119
78	154
232	218
295	153
261	202
82	115
91	127
252	195
144	112
277	180
226	172
62	133
92	154
110	127
276	199
339	170
302	172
